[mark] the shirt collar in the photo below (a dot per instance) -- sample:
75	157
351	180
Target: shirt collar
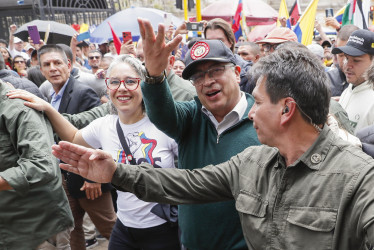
239	108
317	153
52	92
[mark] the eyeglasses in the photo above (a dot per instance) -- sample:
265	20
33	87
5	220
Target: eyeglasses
19	61
130	83
94	57
267	46
214	73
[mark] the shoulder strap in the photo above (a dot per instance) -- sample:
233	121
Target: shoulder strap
125	147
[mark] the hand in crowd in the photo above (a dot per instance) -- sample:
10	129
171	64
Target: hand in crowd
181	29
156	52
36	46
32	100
74	42
93	190
332	22
12	28
95	165
317	25
283	21
128	48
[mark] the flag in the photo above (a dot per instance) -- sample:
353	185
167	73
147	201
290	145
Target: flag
339	15
237	17
304	28
84	28
116	41
357	13
283	12
295	13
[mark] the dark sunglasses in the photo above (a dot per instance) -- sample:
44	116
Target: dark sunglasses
93	57
19	61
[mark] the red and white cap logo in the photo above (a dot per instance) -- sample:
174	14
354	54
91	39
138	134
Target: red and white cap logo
199	50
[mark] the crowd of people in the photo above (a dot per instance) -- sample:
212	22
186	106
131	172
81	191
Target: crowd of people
205	144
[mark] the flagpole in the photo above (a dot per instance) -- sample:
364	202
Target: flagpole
185	8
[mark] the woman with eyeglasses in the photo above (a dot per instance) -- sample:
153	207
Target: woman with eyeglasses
7	57
19	66
137	227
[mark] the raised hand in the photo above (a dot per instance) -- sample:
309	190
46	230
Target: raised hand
128	48
156	51
12	28
95	165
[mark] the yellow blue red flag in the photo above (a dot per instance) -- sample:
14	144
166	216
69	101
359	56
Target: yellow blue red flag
283	12
304	28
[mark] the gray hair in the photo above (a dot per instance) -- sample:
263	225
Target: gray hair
133	62
52	48
296	73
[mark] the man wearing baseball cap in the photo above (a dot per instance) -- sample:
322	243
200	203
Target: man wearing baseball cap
275	37
358	98
209	130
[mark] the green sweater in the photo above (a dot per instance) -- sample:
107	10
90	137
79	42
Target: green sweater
205	226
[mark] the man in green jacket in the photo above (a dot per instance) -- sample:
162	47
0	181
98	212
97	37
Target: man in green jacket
34	210
304	189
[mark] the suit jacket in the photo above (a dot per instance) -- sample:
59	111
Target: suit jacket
77	98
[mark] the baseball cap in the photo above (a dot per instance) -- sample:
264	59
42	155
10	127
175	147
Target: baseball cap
316	49
28	46
17	40
326	43
279	35
206	50
359	43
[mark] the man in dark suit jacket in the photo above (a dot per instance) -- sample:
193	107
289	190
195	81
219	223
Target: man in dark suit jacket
70	96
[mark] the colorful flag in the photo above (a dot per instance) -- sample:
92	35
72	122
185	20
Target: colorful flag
283	12
116	41
339	15
237	17
304	28
295	13
357	13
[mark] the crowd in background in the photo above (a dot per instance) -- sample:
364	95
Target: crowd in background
96	97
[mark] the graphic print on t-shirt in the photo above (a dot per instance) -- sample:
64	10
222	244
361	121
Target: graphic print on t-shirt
141	148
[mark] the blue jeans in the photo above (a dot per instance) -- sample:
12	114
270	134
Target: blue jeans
162	237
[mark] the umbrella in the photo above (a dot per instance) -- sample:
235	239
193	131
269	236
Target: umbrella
58	32
126	20
256	12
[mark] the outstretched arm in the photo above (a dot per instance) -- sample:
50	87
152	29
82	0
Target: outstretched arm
173	186
95	165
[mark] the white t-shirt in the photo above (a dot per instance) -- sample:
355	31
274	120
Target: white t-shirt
147	144
359	104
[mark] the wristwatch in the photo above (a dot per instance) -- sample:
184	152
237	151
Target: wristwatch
154	79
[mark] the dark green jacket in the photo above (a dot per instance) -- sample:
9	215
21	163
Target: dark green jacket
37	207
208	226
324	200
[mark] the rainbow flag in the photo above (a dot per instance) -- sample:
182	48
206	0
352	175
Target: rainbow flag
304	28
